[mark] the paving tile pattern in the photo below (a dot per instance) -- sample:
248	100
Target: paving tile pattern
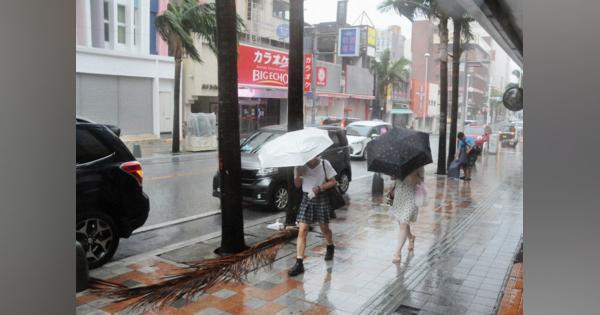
467	236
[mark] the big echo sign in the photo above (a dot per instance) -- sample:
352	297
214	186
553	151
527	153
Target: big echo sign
266	67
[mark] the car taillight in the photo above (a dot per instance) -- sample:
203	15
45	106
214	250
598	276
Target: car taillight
135	169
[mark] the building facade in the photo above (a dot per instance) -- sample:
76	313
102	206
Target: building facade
425	76
392	39
344	86
124	75
344	83
261	103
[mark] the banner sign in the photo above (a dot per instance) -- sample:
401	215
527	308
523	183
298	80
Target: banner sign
349	41
321	76
371	37
308	61
265	67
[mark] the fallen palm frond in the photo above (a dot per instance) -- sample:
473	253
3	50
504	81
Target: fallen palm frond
198	277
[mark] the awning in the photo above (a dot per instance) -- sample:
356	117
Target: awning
401	111
345	96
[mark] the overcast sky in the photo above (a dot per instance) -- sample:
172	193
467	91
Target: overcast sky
317	11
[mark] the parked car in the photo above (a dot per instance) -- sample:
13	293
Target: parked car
481	134
360	133
340	122
116	130
268	187
110	201
509	136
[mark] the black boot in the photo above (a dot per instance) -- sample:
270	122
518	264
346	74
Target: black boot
329	253
297	269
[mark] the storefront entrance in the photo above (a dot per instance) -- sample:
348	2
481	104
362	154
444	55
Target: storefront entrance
256	113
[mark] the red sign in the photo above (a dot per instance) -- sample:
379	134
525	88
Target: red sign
258	66
266	67
307	72
321	76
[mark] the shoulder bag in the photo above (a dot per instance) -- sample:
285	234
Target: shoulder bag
336	200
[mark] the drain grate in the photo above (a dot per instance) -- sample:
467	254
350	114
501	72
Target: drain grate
407	310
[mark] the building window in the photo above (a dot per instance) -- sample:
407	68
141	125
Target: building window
251	6
106	22
136	11
121	25
153	13
281	9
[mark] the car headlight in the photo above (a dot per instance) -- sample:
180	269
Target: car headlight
266	171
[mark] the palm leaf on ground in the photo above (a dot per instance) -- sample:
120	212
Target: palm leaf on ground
198	277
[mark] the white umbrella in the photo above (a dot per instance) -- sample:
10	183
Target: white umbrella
294	148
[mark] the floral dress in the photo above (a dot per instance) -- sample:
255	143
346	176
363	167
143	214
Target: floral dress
404	207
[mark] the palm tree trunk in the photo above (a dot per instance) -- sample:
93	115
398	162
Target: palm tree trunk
295	96
443	28
456	52
176	92
232	220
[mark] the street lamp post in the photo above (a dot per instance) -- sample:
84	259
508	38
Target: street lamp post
426	87
466	98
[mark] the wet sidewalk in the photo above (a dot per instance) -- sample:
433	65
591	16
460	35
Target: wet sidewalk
467	237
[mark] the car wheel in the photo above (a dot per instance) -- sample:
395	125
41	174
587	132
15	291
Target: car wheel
344	182
98	234
280	198
365	155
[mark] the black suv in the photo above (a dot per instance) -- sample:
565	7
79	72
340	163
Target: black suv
110	200
268	187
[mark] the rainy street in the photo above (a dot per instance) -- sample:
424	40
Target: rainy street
468	234
182	205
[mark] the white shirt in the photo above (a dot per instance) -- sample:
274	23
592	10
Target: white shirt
315	176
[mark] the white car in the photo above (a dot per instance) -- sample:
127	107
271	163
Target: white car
360	133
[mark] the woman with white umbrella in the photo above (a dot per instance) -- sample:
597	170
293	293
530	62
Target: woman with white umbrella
311	173
315	178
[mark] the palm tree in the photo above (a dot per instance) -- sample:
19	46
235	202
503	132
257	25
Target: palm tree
389	73
295	96
183	21
461	37
432	9
232	220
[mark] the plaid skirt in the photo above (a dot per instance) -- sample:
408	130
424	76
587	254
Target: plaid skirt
314	211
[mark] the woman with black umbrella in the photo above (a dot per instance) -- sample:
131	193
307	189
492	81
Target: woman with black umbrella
404	209
401	153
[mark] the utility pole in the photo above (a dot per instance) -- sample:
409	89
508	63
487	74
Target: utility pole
466	97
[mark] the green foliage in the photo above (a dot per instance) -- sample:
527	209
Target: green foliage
186	19
390	72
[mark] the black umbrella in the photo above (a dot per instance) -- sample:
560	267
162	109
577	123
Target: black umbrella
399	152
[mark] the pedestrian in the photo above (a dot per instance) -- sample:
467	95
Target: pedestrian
405	210
467	154
314	208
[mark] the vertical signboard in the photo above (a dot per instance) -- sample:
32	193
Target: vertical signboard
349	42
308	61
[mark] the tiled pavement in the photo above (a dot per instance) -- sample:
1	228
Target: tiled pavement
512	300
467	237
